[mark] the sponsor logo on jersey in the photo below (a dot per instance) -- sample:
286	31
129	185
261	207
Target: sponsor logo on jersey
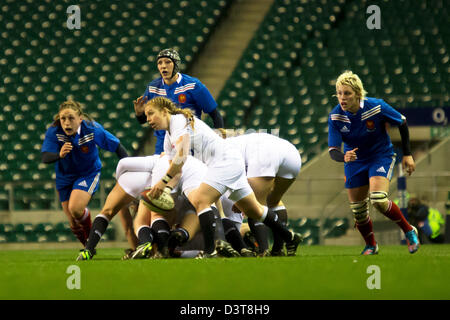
344	129
83	184
381	169
370	125
182	98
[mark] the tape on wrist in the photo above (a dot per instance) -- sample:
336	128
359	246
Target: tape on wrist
166	179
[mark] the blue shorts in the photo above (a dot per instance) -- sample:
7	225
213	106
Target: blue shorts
358	173
88	183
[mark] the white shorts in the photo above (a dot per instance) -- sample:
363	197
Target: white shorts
229	175
134	174
133	183
272	157
136	164
192	173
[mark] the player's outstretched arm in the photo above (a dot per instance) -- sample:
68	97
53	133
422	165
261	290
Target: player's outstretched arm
407	160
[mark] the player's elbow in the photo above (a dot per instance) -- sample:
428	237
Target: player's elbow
336	155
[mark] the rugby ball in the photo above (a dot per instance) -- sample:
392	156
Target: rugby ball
163	204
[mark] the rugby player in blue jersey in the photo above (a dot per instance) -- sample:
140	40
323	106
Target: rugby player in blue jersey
185	91
360	122
71	144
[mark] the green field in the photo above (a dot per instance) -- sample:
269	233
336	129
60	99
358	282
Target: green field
318	272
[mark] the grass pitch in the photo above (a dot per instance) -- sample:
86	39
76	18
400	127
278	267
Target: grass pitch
317	272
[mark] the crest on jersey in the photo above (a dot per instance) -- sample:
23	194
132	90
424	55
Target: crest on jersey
84	149
370	125
182	98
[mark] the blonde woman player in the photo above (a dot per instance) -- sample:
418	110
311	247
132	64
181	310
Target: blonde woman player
225	171
272	165
360	122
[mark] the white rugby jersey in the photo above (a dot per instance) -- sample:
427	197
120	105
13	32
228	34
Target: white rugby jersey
206	145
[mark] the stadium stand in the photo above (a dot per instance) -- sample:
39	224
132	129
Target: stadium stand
104	65
43	232
285	79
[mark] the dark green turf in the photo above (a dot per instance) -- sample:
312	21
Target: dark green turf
318	272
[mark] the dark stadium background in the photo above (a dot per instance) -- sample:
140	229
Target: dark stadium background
271	65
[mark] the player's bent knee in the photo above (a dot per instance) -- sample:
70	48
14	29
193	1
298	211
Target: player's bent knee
360	210
251	209
273	200
76	211
380	201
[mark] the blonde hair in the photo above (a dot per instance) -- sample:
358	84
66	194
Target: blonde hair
229	133
348	78
221	132
163	103
74	105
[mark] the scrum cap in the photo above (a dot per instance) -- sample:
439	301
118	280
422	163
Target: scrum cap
173	55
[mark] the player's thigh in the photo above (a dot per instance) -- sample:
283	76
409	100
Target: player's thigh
65	207
250	206
261	186
358	193
79	199
280	186
379	183
202	197
116	200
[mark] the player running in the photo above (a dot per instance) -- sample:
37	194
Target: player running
360	122
225	170
71	143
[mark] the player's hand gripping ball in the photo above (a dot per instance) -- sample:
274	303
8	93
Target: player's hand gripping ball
163	204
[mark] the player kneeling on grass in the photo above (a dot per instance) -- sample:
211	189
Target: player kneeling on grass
369	156
225	171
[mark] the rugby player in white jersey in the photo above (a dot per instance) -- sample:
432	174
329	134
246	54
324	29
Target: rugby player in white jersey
272	165
225	171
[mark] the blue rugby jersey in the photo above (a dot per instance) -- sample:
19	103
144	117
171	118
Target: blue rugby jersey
365	130
83	159
186	92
